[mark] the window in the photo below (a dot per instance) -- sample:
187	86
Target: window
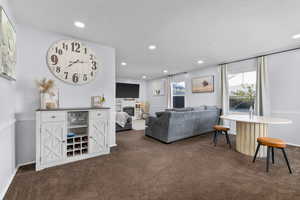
242	91
178	94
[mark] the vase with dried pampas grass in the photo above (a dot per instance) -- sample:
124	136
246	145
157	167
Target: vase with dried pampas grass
49	94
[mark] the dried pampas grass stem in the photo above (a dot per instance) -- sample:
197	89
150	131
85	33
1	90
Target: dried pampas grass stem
45	85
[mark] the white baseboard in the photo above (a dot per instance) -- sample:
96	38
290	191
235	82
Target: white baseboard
2	194
24	164
113	145
295	145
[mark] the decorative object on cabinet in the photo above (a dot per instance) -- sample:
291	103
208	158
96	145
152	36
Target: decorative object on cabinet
8	50
158	87
49	94
203	84
68	135
72	62
145	106
98	101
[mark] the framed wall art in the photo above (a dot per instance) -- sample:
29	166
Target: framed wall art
8	57
158	88
203	84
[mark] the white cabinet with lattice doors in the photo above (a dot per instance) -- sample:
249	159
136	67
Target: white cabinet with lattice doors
52	142
68	135
98	131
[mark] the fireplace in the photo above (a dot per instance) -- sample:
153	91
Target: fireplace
129	110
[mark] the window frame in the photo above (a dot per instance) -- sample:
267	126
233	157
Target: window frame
240	72
184	95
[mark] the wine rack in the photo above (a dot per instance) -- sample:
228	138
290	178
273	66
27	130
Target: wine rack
77	139
77	145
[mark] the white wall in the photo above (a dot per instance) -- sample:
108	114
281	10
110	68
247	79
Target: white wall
32	48
156	103
159	103
284	70
142	84
7	124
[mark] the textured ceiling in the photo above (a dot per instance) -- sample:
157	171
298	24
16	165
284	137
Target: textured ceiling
183	30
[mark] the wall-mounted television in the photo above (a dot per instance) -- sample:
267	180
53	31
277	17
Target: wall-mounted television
127	90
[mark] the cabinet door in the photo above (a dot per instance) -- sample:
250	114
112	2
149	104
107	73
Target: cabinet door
52	142
97	136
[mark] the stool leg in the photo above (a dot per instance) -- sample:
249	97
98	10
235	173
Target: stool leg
256	152
227	138
268	158
272	155
216	137
286	160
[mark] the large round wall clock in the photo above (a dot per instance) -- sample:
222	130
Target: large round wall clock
73	62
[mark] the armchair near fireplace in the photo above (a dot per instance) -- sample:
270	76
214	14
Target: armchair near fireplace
127	127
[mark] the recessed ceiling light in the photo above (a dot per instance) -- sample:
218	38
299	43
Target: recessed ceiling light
152	47
79	24
297	36
123	63
165	71
144	77
200	61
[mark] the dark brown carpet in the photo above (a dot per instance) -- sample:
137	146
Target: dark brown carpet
142	168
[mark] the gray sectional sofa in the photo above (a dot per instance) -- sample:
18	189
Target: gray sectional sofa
176	124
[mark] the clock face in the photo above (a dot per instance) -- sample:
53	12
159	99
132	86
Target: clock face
72	62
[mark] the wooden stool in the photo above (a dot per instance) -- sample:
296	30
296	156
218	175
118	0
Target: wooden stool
272	143
219	129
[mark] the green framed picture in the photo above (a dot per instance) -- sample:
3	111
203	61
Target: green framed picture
8	51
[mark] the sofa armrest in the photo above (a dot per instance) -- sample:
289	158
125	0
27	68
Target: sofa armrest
150	120
157	127
159	123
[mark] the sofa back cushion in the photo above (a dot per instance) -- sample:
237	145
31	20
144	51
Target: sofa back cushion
199	108
187	109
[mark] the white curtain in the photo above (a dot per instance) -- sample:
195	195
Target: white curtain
262	101
224	88
169	91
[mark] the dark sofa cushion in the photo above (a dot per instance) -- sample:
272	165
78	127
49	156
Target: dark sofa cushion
180	109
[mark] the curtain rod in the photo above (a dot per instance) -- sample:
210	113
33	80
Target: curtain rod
176	74
170	75
268	54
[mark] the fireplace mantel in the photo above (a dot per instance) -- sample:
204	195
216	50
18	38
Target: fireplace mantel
129	102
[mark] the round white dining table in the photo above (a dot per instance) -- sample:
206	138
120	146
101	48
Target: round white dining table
249	129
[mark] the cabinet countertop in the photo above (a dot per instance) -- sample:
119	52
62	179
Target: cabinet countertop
75	109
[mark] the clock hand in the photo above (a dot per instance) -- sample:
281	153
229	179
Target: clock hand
83	62
73	62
